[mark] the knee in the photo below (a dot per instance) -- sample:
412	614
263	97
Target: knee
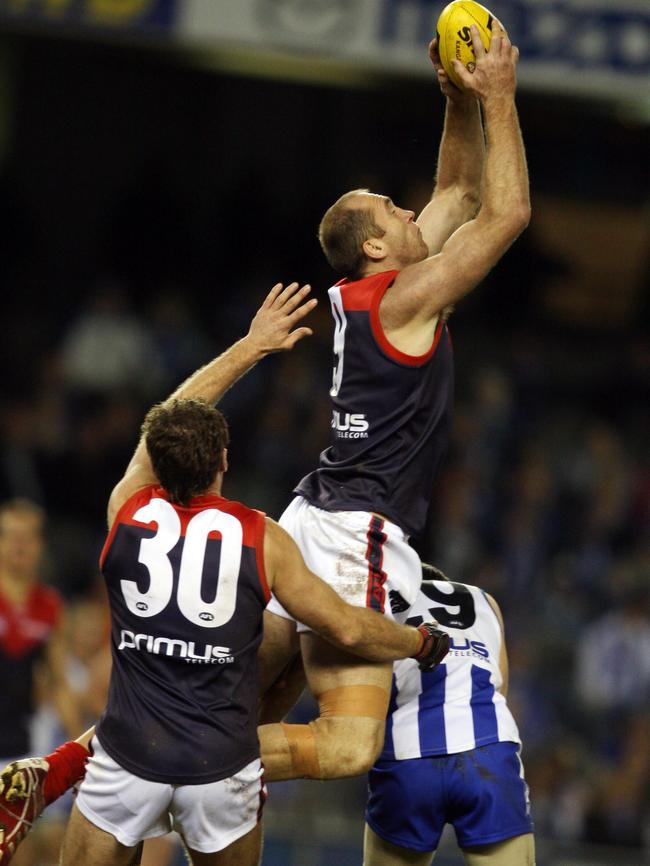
347	746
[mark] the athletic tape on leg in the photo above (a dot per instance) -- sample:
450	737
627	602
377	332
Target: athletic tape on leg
357	701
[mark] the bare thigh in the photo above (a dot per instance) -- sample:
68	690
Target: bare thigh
347	744
159	851
518	851
245	851
279	646
379	852
85	843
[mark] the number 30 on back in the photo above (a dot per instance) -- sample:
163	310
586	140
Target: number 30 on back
153	555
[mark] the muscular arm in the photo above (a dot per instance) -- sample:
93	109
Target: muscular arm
456	196
422	290
503	655
270	331
310	600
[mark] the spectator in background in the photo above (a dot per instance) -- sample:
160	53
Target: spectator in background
180	344
31	637
613	662
108	348
620	806
31	630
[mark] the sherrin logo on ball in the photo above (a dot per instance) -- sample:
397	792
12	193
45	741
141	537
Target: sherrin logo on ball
455	36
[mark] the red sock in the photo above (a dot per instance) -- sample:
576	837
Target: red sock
67	766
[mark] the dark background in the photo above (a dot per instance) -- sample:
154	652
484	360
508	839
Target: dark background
143	196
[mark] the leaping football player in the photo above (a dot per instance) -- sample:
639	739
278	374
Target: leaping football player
188	575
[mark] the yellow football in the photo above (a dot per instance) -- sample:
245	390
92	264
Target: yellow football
455	37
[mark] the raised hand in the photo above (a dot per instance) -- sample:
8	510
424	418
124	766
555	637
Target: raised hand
495	72
447	86
271	329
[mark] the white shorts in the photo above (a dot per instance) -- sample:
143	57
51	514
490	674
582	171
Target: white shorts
360	555
208	817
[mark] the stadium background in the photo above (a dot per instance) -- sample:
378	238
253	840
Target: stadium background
156	180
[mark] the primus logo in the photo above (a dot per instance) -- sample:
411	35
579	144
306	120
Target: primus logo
350	426
167	646
469	647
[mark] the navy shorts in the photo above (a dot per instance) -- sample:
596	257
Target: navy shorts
481	793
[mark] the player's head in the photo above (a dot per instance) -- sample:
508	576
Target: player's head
430	572
363	233
22	540
186	441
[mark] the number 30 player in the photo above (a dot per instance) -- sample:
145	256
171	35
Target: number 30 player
188	575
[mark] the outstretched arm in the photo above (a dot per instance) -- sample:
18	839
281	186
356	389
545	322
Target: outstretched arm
422	290
272	330
457	193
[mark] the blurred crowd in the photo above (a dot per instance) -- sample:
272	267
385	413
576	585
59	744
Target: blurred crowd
544	501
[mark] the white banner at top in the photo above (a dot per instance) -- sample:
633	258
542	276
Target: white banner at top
588	46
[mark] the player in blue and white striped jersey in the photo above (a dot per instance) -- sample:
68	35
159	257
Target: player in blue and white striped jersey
451	751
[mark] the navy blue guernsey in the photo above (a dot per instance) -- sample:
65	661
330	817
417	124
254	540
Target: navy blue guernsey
187	591
390	414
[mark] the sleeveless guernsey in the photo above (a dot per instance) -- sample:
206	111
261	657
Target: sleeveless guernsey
457	706
390	414
187	589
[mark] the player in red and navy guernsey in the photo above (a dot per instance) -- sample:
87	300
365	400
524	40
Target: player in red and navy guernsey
392	389
390	412
430	264
188	574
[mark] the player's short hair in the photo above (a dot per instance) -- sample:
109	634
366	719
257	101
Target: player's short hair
342	232
185	440
22	506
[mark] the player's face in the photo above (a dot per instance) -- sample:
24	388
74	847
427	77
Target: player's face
21	543
402	235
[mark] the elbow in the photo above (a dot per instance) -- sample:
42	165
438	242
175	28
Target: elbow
523	214
349	633
517	219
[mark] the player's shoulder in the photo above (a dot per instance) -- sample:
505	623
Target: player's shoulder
121	505
252	520
274	533
364	293
234	507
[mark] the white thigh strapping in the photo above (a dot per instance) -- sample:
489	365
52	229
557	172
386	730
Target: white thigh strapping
362	557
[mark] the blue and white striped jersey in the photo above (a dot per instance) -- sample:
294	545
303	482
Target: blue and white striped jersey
457	706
